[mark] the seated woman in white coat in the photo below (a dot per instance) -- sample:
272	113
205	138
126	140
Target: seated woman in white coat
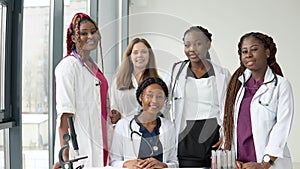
147	140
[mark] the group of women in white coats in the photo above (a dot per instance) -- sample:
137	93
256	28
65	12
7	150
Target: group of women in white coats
250	112
254	119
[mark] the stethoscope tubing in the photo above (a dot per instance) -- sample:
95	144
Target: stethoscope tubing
139	134
132	131
275	80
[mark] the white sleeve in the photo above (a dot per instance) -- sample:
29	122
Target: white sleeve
116	154
172	161
285	110
114	97
65	87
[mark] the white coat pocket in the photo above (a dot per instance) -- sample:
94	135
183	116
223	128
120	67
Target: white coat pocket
269	103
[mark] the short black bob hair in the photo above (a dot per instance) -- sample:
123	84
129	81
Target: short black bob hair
147	82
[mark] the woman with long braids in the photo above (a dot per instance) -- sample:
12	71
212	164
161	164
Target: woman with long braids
197	90
259	107
82	93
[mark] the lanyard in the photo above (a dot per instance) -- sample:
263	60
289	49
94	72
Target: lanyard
83	64
77	57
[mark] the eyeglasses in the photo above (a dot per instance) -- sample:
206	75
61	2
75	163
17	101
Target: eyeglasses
157	97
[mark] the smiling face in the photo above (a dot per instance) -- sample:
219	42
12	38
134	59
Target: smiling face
253	54
89	36
196	45
152	98
140	56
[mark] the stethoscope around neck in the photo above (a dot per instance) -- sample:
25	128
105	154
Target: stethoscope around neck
133	131
275	80
153	149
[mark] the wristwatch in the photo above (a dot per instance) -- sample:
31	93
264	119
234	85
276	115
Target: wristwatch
267	159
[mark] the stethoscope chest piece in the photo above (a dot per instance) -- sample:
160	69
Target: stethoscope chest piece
155	148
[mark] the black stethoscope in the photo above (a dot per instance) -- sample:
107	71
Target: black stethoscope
152	148
275	79
133	131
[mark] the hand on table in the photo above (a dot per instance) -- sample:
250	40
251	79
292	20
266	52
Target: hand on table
149	163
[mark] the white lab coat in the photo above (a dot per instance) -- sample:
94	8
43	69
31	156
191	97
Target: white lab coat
123	149
271	124
77	93
124	101
222	78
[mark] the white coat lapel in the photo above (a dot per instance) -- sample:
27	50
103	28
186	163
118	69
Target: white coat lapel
182	80
262	89
162	139
181	87
269	76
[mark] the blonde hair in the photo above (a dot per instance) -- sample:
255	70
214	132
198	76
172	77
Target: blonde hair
123	75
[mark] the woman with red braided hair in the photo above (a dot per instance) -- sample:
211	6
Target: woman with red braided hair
259	107
82	93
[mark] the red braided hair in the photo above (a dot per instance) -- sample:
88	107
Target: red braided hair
74	29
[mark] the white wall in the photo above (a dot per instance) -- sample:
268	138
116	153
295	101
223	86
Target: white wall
163	23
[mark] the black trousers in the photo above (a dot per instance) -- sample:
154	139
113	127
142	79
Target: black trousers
196	141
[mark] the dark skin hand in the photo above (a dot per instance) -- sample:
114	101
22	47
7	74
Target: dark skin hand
218	145
149	163
254	165
249	165
152	163
56	165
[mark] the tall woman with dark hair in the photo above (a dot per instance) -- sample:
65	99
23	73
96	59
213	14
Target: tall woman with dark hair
82	93
197	88
138	63
259	107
